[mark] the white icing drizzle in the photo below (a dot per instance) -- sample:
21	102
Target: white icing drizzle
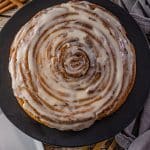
70	64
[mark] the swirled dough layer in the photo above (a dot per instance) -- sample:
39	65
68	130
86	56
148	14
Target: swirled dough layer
72	64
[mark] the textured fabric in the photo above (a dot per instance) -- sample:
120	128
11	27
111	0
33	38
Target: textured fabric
137	135
139	9
142	142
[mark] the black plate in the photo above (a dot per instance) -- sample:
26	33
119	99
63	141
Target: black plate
101	130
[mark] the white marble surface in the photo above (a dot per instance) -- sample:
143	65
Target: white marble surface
12	138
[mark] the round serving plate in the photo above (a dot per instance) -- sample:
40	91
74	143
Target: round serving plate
102	129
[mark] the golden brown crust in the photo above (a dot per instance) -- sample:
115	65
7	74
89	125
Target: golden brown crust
31	115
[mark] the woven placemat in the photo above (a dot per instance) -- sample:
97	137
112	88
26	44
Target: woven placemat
6	5
104	145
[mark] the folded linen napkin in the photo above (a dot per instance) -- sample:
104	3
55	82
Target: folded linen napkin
137	135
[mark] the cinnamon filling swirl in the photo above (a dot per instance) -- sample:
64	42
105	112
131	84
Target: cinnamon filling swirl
72	64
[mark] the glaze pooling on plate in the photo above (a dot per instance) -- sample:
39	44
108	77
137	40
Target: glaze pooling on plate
72	64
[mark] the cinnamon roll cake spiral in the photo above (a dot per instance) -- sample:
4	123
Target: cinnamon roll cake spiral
72	64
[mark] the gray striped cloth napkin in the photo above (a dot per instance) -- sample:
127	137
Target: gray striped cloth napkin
137	135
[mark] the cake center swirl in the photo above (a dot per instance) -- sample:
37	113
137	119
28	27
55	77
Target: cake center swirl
76	62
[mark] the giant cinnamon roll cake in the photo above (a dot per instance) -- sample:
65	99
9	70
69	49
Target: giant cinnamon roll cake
72	64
